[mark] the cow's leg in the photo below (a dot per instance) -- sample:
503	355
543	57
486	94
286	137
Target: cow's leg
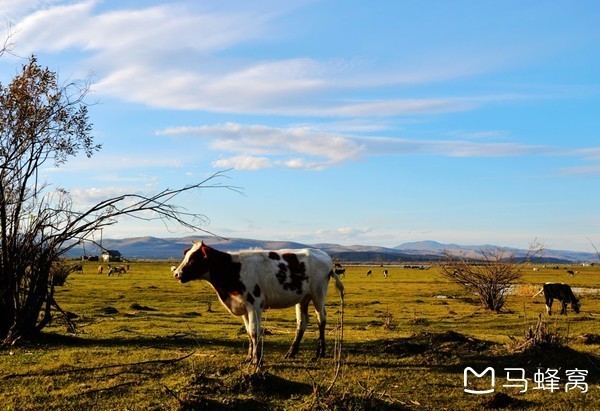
301	323
321	319
247	325
563	310
549	306
254	317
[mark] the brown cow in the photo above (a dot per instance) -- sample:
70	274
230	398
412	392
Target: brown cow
251	281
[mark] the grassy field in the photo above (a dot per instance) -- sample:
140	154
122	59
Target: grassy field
146	342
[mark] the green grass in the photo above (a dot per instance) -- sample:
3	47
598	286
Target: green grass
398	351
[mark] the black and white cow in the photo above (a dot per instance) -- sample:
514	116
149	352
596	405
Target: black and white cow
561	292
249	282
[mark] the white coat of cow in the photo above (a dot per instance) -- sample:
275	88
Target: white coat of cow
249	282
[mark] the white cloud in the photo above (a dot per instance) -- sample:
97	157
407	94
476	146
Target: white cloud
308	148
165	27
591	153
321	148
343	233
170	56
302	164
12	9
590	169
243	162
451	148
89	196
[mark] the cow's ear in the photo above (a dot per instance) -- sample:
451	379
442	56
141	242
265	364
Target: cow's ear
186	251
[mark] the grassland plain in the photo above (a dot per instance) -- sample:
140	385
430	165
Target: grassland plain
146	342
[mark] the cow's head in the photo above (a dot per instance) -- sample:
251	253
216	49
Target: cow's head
576	305
194	265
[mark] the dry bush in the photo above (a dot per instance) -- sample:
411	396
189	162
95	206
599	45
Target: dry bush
490	276
539	338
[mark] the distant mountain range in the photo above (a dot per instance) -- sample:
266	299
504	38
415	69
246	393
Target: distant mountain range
420	251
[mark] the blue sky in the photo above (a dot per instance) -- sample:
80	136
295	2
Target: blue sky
349	122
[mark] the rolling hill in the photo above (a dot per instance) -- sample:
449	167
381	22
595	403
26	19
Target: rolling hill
165	248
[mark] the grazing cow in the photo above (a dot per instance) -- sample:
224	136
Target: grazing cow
561	292
570	272
77	267
249	282
369	273
100	269
385	273
120	270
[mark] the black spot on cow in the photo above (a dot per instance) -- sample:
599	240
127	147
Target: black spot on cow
249	298
256	291
297	271
282	273
274	256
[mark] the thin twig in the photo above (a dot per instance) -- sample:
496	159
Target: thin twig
172	393
338	349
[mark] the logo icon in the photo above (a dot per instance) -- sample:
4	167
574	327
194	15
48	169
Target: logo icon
479	375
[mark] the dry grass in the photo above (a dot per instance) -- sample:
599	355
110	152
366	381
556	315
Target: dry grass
403	348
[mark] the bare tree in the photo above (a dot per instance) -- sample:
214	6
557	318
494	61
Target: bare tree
595	249
490	276
44	123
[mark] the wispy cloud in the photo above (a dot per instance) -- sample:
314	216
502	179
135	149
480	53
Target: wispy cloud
452	148
152	56
90	196
243	162
293	147
260	146
343	232
590	169
174	26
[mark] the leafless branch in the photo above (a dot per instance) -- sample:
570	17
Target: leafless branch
490	276
595	249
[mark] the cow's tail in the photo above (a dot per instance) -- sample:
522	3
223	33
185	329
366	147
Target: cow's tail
538	293
338	283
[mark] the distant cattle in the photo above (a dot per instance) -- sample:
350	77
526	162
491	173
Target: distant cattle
100	269
369	273
251	281
77	267
339	270
385	273
570	272
416	267
120	270
561	292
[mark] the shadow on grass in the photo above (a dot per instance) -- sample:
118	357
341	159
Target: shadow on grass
452	352
177	340
262	390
